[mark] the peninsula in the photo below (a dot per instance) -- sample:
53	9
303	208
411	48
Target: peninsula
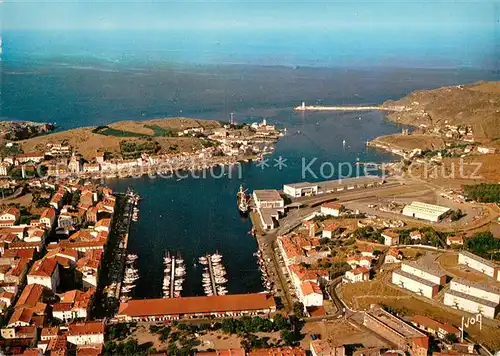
128	148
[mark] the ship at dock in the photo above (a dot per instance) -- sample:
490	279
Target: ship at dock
175	272
242	199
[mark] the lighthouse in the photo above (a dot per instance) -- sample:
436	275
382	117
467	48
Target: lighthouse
303	105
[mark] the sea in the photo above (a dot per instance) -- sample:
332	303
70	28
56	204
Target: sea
93	79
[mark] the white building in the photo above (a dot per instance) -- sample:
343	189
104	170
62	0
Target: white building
426	272
477	263
425	211
303	189
360	274
415	284
332	209
91	167
90	333
4	168
44	272
482	291
268	199
48	217
391	238
486	150
74	305
329	231
470	303
310	294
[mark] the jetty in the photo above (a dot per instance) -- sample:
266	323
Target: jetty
305	107
172	278
212	277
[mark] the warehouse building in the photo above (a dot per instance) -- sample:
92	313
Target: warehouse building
477	263
425	211
270	206
196	307
268	199
340	185
471	304
304	189
415	284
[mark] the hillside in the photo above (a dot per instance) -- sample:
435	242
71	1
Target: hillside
89	140
477	105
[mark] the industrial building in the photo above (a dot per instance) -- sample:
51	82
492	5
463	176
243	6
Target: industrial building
270	205
405	337
196	307
339	185
415	284
303	189
471	304
424	211
477	263
268	198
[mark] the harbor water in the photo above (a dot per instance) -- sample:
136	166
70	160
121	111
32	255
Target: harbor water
196	216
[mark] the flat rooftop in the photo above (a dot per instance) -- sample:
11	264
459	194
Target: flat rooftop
427	208
338	183
414	278
491	287
197	305
479	259
267	195
394	323
267	215
426	265
472	298
301	185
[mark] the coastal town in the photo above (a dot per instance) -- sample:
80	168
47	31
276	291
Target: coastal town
370	265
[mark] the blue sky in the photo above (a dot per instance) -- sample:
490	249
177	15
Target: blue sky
250	15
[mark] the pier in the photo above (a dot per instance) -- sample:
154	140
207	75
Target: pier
212	277
172	278
304	107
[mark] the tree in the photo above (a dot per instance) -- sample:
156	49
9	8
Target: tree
451	338
298	309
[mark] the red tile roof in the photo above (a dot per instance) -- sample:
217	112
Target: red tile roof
229	352
46	332
21	315
43	268
20	253
89	328
30	296
279	351
194	305
310	288
48	213
360	270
